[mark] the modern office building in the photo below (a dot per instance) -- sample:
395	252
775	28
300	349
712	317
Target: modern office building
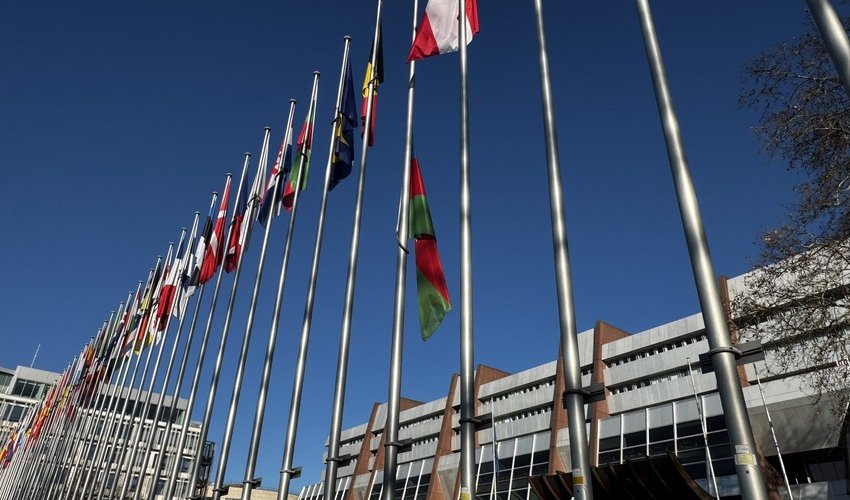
26	387
650	409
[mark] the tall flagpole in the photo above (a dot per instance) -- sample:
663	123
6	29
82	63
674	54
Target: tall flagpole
292	425
124	430
175	302
348	301
82	430
723	355
834	37
574	397
251	209
129	458
181	441
184	361
467	367
112	415
397	348
254	446
246	337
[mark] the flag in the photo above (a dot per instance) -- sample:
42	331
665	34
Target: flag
279	174
346	122
367	78
438	32
146	308
213	249
302	164
201	249
431	286
234	246
132	321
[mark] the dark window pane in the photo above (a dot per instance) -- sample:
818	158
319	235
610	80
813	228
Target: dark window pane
632	453
696	471
718	438
689	428
661	448
690	443
725	467
611	457
715	423
661	434
634	438
609	443
692	455
522	460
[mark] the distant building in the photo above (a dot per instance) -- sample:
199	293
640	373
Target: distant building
649	410
235	493
22	389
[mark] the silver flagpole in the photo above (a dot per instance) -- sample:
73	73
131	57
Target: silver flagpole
19	461
96	431
397	347
124	430
130	458
246	337
834	37
773	434
702	428
722	353
112	415
181	441
574	402
348	301
467	366
108	408
103	457
157	413
251	209
61	439
86	421
180	374
254	446
292	425
175	303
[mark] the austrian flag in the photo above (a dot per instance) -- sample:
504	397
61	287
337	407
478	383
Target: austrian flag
438	32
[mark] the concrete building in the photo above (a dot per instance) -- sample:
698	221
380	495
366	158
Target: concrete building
26	387
649	410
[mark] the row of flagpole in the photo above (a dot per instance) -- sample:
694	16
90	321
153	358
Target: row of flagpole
93	440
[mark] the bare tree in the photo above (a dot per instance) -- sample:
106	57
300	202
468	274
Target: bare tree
797	297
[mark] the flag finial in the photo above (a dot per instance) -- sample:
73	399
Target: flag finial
347	37
316	73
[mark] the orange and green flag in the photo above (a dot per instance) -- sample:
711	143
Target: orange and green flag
431	286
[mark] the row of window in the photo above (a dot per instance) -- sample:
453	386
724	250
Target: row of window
528	413
421	421
657	379
524	390
658	349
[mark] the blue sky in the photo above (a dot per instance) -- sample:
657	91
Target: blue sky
119	119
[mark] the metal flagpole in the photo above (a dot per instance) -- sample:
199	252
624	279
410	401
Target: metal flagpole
179	276
723	355
467	367
98	412
251	209
574	395
181	441
348	301
103	457
86	421
702	428
246	337
834	37
397	345
124	429
254	446
181	372
292	425
130	458
773	434
104	441
94	435
40	458
60	440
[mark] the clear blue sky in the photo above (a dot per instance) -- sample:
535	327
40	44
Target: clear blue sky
119	119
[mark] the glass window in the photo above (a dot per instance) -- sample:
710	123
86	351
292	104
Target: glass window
661	433
634	438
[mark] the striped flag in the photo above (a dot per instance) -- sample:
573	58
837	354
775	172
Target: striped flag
431	286
438	32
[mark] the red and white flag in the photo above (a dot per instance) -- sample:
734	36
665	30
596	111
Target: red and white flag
438	33
214	252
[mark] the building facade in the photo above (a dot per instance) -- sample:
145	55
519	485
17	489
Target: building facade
657	401
22	389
